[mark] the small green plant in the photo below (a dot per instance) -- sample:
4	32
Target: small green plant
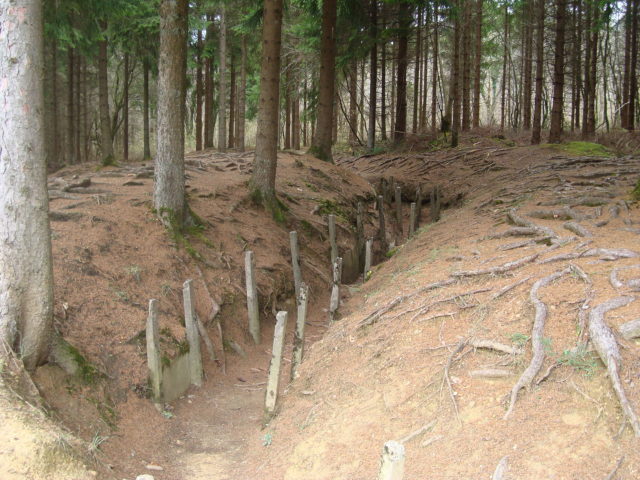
583	149
96	441
267	439
519	339
368	275
635	193
327	207
167	414
122	295
391	252
580	359
134	271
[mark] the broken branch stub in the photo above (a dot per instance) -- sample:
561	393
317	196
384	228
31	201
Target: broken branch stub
298	337
252	297
193	337
271	395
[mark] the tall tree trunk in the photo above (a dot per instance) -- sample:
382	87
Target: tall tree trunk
242	96
373	77
425	74
71	151
353	103
232	103
77	127
169	190
322	141
199	91
577	57
537	108
555	133
145	110
587	70
209	118
528	65
55	127
626	76
26	279
466	70
591	115
383	86
362	99
295	118
404	25
434	71
263	180
106	141
222	84
454	96
478	65
125	109
633	90
416	74
504	69
85	112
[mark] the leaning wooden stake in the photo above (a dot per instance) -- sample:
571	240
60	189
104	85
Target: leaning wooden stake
399	214
295	261
193	337
252	297
335	289
392	461
274	367
367	257
332	237
298	338
153	352
412	220
382	234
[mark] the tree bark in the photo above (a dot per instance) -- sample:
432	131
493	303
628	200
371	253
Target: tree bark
537	109
383	82
106	141
466	70
26	278
434	71
242	94
416	74
232	103
404	25
169	191
125	109
555	133
504	69
70	116
373	77
353	103
454	97
145	110
209	120
222	84
478	64
323	138
528	65
199	91
263	180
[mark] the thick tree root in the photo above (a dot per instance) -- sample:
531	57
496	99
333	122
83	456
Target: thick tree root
498	269
633	284
608	254
517	220
577	229
515	232
537	335
565	213
501	469
630	330
491	345
607	347
508	288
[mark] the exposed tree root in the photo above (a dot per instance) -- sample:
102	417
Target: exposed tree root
501	469
490	373
515	232
607	347
445	377
630	329
633	284
565	213
498	269
508	288
577	229
613	472
421	310
375	316
491	345
537	334
519	221
609	254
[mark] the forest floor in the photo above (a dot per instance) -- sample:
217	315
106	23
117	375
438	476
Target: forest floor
430	347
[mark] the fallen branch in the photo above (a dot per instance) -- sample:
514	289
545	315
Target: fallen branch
537	335
446	378
607	347
491	345
418	432
498	269
424	309
613	472
490	373
501	469
375	316
508	288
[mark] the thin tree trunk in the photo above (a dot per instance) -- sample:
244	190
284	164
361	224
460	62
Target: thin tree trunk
295	118
373	77
125	110
222	84
478	64
555	133
85	112
528	66
353	103
232	103
383	86
404	25
242	94
26	278
633	91
626	79
537	108
71	151
145	110
466	70
324	134
263	180
209	120
587	71
199	91
56	128
169	189
425	74
434	71
106	141
454	98
504	69
416	73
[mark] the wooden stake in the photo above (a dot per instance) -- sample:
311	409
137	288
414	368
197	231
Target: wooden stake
412	219
295	261
392	461
153	352
382	234
335	289
252	297
399	213
298	338
360	232
367	257
193	337
274	367
419	206
435	204
332	238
